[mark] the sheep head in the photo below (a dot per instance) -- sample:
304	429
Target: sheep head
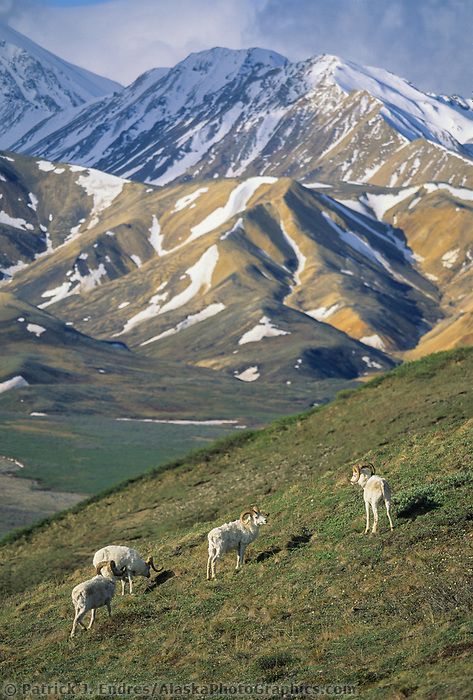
360	470
256	516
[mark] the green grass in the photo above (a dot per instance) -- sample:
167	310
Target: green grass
317	601
88	454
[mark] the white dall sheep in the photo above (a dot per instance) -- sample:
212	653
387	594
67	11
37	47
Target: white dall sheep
375	490
236	535
95	593
130	558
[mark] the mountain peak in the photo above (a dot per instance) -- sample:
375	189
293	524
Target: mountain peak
36	84
234	57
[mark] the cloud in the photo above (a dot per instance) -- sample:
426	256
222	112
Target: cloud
122	39
11	9
426	41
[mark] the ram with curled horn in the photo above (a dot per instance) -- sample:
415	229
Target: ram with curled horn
128	558
235	535
375	490
96	592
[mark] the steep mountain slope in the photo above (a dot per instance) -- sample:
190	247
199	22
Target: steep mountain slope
228	273
318	602
251	112
35	85
261	280
45	205
50	368
437	220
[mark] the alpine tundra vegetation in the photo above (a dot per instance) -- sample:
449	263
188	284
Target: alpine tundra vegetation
317	599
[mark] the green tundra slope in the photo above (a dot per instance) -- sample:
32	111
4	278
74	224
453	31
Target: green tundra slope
317	601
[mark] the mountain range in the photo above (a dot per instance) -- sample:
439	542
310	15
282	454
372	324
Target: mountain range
227	113
284	226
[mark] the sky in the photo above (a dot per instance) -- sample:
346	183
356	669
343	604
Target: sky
428	42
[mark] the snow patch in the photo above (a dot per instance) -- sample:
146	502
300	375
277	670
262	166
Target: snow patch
236	203
200	275
458	192
381	203
301	259
250	374
182	421
323	312
234	229
450	257
371	363
184	202
13	383
34	328
264	329
14	222
85	283
45	165
374	341
156	238
103	188
33	204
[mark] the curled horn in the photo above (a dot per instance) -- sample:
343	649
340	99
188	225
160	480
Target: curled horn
369	466
150	562
99	567
245	513
118	573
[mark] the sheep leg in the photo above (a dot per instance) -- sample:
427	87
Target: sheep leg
213	567
388	508
367	509
92	618
375	515
209	568
240	555
109	608
130	582
78	621
123	586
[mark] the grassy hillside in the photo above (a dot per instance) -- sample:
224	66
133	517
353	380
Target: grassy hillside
317	601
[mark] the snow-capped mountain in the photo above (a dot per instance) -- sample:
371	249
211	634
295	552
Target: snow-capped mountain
35	84
262	280
226	113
